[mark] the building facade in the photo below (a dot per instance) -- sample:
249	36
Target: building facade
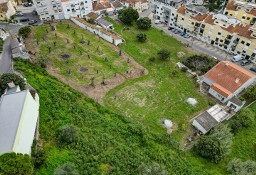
241	10
139	5
48	10
7	9
222	31
76	8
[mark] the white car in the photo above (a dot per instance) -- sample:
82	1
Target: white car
157	21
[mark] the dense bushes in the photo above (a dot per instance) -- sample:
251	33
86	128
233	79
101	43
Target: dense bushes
66	169
1	44
12	163
163	54
199	63
107	143
68	134
24	31
216	145
141	37
10	77
143	23
250	93
237	167
127	16
244	118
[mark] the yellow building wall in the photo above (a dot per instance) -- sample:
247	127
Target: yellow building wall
240	14
2	16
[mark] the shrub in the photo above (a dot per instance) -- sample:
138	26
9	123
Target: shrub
246	117
235	126
39	157
184	69
164	54
12	163
66	169
141	37
127	16
237	167
143	23
11	77
24	31
152	59
153	169
216	145
68	134
91	21
250	93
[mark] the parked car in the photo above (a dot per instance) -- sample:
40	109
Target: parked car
253	69
186	35
173	30
170	28
237	58
176	31
157	21
245	62
32	22
27	4
183	33
24	20
19	13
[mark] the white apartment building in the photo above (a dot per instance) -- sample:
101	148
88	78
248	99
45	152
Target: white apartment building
49	9
62	9
166	10
76	8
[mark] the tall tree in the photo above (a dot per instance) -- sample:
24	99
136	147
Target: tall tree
127	16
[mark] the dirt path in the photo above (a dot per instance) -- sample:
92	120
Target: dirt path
98	91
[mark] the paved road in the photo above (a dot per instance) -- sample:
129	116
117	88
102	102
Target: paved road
5	58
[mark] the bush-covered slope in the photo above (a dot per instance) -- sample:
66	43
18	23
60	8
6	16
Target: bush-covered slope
107	143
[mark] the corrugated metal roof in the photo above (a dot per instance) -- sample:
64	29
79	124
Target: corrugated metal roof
11	107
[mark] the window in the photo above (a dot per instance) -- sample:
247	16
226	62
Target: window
238	52
244	51
226	13
231	14
248	44
182	18
242	42
248	18
221	40
243	17
219	33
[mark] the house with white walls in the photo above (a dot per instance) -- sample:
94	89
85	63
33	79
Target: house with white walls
227	80
19	115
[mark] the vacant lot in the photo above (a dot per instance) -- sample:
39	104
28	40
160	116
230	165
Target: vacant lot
164	91
81	59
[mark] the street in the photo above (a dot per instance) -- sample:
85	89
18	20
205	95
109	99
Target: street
5	58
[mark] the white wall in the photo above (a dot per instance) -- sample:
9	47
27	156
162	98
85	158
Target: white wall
199	127
27	126
108	38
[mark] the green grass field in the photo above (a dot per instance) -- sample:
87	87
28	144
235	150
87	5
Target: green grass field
162	93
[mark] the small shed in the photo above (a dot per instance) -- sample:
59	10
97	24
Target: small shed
235	104
205	121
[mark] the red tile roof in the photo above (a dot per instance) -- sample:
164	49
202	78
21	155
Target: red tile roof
241	30
224	92
181	10
117	4
92	15
228	77
200	17
209	19
231	5
97	6
3	7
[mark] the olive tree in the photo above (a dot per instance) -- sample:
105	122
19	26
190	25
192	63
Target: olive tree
164	54
127	16
143	23
68	134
